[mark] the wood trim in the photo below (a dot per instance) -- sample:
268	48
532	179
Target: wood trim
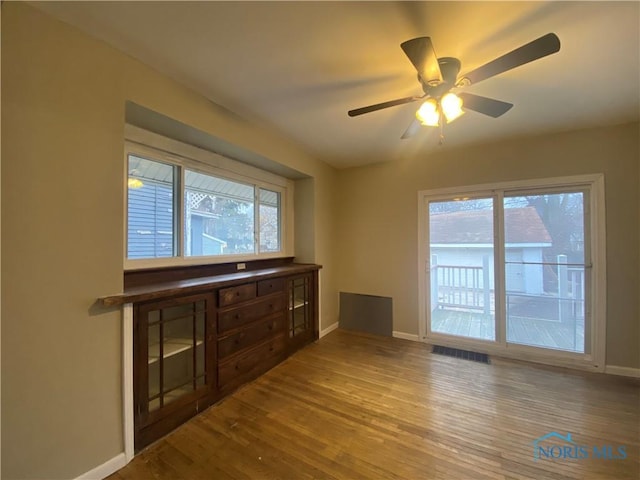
127	381
622	371
150	276
406	336
107	468
199	284
329	329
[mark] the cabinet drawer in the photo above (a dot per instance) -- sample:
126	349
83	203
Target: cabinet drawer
252	363
233	295
251	335
265	287
236	317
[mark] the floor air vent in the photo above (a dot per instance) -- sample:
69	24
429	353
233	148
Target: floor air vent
465	354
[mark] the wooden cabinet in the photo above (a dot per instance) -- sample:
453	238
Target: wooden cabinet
174	371
301	309
196	341
251	331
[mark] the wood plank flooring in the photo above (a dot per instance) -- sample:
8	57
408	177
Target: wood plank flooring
356	406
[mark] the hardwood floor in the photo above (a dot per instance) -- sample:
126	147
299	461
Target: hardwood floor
356	406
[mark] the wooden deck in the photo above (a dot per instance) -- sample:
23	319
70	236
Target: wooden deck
522	330
355	406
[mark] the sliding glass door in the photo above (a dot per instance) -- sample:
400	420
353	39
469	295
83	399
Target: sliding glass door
545	269
511	267
461	252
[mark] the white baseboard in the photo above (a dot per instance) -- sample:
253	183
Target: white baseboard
329	329
406	336
623	371
106	469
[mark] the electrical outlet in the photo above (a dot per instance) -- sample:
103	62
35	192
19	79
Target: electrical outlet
241	266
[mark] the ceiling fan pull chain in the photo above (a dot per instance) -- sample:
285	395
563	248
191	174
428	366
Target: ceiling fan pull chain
441	140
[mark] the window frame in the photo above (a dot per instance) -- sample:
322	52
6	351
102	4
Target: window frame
594	206
154	147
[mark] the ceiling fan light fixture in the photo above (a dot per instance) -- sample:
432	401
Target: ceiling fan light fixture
451	106
428	113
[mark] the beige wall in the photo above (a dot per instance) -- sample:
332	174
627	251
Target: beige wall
377	223
63	101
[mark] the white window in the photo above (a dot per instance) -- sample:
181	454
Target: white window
269	220
516	267
150	206
208	209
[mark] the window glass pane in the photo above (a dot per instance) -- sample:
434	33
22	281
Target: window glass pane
150	223
218	216
462	275
545	271
269	221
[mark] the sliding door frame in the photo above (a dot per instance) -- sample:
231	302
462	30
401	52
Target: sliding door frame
595	305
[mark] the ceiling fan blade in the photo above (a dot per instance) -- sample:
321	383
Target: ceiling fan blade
484	105
422	55
380	106
543	46
412	129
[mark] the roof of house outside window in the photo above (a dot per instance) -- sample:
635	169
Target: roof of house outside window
522	225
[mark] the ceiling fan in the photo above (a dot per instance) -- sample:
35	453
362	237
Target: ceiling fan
439	76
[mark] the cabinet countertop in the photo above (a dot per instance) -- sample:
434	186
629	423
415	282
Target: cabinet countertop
194	285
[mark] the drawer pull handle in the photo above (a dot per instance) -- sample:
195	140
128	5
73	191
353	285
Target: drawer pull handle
237	366
237	316
271	348
271	326
237	294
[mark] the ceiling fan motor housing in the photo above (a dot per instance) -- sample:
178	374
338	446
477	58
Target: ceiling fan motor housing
449	68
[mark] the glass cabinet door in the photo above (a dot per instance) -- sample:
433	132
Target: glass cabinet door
300	322
174	334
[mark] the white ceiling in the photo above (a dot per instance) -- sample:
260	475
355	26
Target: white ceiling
298	67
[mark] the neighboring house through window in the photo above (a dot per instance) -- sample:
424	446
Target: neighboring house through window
466	238
180	209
